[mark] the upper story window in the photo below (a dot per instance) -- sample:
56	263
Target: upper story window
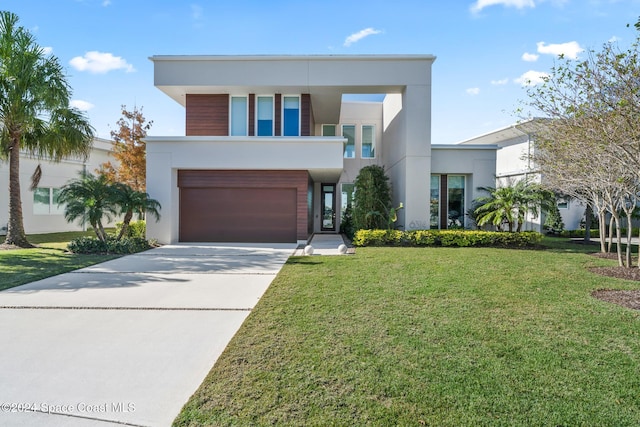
368	141
239	114
264	115
349	132
328	130
291	116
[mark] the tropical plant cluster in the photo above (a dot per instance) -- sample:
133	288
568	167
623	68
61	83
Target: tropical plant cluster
505	207
588	144
92	199
449	238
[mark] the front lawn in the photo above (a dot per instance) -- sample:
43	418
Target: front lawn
431	336
20	266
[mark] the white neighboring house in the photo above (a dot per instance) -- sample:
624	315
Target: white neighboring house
40	210
513	163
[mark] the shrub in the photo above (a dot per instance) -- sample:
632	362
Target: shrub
91	245
372	198
453	238
136	229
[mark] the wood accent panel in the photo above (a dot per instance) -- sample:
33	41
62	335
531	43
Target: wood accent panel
253	179
277	116
252	114
444	202
305	115
207	115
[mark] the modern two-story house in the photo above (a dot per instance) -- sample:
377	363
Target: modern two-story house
273	145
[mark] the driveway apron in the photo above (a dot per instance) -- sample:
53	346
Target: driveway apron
126	342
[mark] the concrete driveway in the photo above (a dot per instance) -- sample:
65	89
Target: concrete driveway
128	341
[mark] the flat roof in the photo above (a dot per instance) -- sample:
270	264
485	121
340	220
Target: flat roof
391	57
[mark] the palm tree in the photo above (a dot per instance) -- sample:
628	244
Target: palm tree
510	204
498	208
34	113
130	201
89	199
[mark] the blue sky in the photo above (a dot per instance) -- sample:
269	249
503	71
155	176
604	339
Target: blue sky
485	49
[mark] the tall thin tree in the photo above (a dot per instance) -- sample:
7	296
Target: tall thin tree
35	116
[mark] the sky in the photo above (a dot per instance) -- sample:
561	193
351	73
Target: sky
487	51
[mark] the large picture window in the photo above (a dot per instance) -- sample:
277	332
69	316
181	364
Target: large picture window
346	197
349	132
238	116
368	141
291	116
264	115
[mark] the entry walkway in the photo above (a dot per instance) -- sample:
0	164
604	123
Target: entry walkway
128	341
325	244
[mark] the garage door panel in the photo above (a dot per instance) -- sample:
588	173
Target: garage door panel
238	214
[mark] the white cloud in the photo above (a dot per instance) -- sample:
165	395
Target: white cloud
355	37
100	63
530	57
614	39
47	50
106	3
532	78
81	105
518	4
569	49
473	91
500	82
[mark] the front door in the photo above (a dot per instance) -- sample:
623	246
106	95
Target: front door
328	207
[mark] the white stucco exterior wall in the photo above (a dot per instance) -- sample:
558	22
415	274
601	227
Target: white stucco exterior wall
54	175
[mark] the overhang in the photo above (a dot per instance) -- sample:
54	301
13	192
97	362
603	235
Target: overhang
322	157
325	77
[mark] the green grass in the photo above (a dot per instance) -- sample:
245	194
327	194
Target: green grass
430	336
20	266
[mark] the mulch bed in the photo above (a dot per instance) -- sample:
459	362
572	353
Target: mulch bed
630	298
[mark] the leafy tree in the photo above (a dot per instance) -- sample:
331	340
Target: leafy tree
129	150
34	113
129	201
90	199
372	199
591	148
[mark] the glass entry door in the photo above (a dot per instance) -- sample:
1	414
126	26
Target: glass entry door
328	207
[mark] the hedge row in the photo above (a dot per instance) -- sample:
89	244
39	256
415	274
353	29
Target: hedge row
91	245
459	238
579	233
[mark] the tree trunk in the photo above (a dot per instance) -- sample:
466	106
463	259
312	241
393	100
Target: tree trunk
610	243
616	219
602	228
587	222
15	227
125	224
629	235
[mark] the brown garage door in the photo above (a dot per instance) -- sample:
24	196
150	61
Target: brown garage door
237	214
